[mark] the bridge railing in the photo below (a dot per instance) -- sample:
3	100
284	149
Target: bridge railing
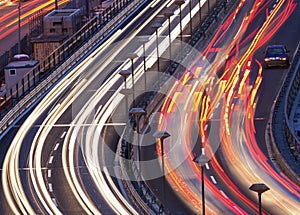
37	81
285	142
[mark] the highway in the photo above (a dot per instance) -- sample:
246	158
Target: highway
225	116
220	107
54	149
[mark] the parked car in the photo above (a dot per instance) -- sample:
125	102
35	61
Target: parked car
276	55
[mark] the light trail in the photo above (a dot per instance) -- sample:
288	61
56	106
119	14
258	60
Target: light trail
232	85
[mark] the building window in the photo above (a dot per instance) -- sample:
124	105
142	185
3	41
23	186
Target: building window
64	30
12	72
52	30
57	23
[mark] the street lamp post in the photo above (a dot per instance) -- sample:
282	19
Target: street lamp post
125	74
126	92
161	135
191	23
200	8
156	26
179	3
208	5
19	27
132	56
56	4
168	14
201	161
137	112
259	189
144	40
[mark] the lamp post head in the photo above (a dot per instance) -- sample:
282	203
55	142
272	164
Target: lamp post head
161	135
156	25
137	111
144	39
168	14
201	160
126	91
125	73
132	55
179	2
259	188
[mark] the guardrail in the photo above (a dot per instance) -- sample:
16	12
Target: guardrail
41	78
285	142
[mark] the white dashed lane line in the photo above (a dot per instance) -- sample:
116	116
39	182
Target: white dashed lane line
207	166
63	135
213	179
50	159
222	192
54	201
206	126
50	187
49	173
56	146
237	209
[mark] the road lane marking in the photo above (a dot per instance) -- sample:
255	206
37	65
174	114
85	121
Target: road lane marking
63	135
54	201
213	179
50	187
56	146
222	192
207	166
49	173
50	159
236	208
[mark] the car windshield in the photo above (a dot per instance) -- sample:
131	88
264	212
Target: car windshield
274	51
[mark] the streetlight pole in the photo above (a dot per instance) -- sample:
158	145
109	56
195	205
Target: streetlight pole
56	4
259	189
156	26
138	112
144	40
201	161
125	74
161	135
179	3
126	92
191	23
19	27
168	14
132	56
200	8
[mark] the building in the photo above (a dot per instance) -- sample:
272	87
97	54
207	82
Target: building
58	26
62	22
18	76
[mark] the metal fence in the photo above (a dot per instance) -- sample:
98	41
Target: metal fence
37	81
286	141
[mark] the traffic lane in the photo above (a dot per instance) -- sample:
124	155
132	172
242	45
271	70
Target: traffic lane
173	202
53	172
273	77
98	81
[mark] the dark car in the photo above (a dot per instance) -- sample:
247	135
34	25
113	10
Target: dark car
276	55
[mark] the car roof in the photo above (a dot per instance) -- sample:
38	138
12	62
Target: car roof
276	46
